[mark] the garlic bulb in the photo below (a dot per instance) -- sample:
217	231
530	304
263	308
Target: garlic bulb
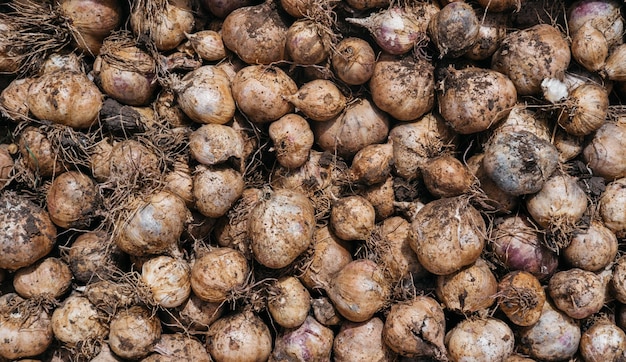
205	95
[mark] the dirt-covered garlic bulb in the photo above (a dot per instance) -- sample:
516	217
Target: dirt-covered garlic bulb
561	202
602	15
205	95
276	244
404	88
490	93
319	100
352	218
360	125
93	257
585	110
216	189
218	274
415	143
256	33
611	207
13	99
359	290
207	44
25	327
589	47
329	255
454	29
518	244
492	30
293	139
519	162
308	42
152	226
521	297
241	336
554	337
416	328
92	21
133	332
310	341
445	242
372	164
468	290
125	71
78	320
605	152
353	61
447	176
212	144
164	22
65	97
73	200
29	233
126	161
603	341
168	279
259	92
50	277
289	302
576	292
530	55
480	339
362	341
398	29
593	248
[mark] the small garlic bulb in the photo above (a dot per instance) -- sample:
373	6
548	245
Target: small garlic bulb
208	45
586	109
590	48
168	279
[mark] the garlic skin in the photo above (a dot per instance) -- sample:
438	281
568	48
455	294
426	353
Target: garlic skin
554	90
